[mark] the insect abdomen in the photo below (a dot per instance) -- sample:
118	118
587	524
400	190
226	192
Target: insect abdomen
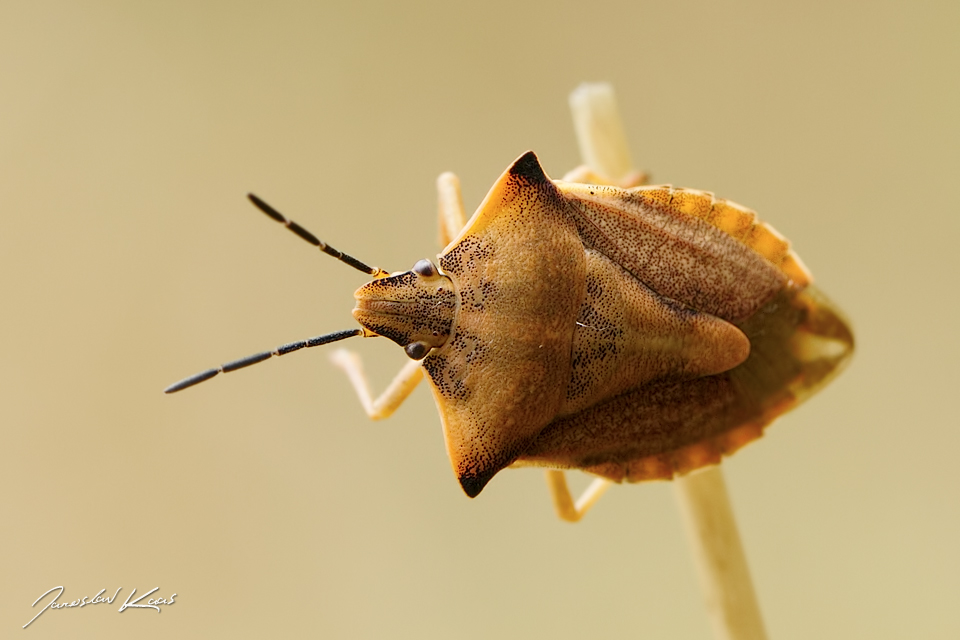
736	221
679	255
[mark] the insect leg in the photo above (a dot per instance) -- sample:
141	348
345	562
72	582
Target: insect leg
585	175
563	502
452	217
392	397
451	220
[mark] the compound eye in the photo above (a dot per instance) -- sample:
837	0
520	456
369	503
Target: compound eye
417	350
425	268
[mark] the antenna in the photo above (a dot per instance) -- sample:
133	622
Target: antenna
260	357
376	272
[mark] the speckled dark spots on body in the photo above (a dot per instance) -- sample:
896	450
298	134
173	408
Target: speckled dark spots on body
467	256
449	372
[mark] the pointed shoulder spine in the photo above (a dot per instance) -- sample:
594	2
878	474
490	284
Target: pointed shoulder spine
527	168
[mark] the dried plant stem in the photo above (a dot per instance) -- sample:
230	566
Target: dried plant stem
596	119
721	563
707	514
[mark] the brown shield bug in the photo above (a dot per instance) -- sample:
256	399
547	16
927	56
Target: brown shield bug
633	333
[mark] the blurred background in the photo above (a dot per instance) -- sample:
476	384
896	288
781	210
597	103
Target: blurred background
129	136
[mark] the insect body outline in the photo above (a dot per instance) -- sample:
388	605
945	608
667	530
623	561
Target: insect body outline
633	333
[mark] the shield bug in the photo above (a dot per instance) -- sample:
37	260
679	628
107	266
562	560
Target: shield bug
633	333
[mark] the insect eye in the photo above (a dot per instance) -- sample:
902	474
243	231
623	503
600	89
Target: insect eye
425	268
417	350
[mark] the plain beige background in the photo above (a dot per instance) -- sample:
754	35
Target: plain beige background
129	134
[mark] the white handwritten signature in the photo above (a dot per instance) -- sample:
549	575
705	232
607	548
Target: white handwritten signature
152	603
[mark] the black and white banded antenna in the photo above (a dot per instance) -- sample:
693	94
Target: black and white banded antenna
292	346
260	357
314	240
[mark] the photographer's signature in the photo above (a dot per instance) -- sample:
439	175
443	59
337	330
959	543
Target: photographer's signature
152	603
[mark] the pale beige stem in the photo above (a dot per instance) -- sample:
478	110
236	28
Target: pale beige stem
596	119
711	528
721	563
